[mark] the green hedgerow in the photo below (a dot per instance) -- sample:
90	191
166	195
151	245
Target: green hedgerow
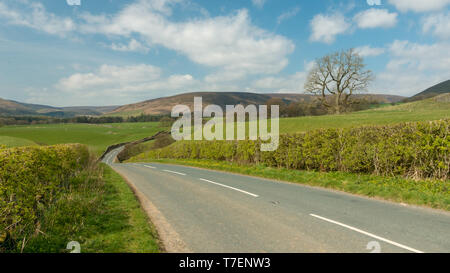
418	150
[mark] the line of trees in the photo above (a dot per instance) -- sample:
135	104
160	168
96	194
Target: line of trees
32	120
317	108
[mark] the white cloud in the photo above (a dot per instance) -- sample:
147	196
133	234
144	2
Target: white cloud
110	82
287	84
224	76
111	76
287	15
111	85
373	2
259	3
133	45
229	42
438	25
373	18
231	45
368	51
414	67
35	16
283	84
419	5
325	28
422	56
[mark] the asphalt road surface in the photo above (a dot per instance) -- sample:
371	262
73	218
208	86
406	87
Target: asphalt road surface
222	212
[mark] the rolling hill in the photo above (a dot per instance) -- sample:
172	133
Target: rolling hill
14	108
435	90
161	106
164	105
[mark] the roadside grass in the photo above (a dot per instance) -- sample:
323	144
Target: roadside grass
97	136
11	142
101	213
431	193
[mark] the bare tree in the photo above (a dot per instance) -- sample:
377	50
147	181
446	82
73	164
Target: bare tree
336	77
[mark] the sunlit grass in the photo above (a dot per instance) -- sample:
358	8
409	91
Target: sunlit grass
97	136
11	142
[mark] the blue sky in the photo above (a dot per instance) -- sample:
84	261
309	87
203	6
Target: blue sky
111	52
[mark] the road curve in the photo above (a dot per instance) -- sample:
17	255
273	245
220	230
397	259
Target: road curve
222	212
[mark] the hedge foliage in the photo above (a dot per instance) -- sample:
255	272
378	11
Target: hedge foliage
415	150
30	179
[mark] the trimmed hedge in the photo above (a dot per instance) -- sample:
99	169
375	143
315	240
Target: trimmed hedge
30	179
417	150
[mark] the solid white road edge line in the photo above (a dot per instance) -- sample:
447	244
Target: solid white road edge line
212	182
368	234
174	172
151	167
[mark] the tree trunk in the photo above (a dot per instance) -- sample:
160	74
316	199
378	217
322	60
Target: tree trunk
338	108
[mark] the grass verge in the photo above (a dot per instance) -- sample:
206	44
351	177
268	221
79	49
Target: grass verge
100	212
432	193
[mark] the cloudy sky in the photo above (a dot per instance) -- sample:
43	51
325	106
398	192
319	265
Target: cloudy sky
110	52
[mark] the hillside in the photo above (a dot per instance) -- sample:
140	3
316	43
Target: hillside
14	108
164	105
429	109
440	88
8	107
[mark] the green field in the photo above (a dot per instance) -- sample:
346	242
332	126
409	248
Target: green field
11	142
97	136
430	109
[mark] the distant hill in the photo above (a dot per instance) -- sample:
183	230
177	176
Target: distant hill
441	101
164	105
440	88
14	108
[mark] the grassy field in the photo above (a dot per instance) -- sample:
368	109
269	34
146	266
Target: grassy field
97	136
102	214
430	109
100	136
432	193
11	142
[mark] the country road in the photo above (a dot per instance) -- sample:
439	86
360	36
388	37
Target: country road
215	211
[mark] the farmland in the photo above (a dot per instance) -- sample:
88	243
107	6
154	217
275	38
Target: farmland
100	136
11	142
96	136
429	109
